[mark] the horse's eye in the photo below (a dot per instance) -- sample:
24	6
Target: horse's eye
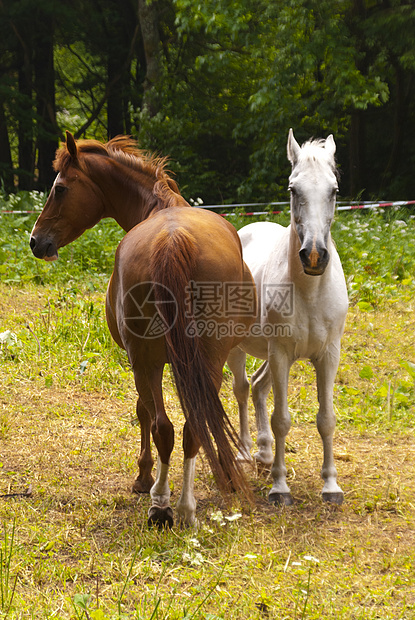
60	189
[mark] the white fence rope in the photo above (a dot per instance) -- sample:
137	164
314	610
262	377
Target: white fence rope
340	207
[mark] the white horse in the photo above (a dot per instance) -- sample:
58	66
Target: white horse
303	303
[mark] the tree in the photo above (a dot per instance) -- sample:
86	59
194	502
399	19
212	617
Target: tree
387	29
28	83
149	27
6	164
207	80
214	84
44	86
318	66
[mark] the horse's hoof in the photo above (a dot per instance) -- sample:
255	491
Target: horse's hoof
162	518
142	486
335	497
263	461
187	525
280	499
244	457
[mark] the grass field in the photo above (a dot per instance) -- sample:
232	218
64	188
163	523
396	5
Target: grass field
78	546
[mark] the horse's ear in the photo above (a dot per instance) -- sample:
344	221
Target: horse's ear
71	145
293	148
330	145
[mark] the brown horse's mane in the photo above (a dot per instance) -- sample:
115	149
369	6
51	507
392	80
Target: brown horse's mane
124	150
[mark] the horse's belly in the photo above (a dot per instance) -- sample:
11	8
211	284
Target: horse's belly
110	315
255	344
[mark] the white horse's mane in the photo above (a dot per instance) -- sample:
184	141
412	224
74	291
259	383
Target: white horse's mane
314	151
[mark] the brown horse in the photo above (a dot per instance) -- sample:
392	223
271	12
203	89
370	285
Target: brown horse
180	294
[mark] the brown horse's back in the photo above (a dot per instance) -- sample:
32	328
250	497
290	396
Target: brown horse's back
216	258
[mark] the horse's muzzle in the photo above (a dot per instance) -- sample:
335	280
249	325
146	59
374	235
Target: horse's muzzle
314	260
44	248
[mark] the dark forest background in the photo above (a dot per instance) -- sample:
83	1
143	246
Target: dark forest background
215	85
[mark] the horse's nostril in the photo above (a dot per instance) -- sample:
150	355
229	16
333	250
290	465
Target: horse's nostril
314	257
324	255
32	243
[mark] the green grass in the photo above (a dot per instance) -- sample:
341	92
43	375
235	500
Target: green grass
377	249
79	547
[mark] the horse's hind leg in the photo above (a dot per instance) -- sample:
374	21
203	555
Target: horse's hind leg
144	480
237	363
160	512
261	384
149	387
186	504
326	369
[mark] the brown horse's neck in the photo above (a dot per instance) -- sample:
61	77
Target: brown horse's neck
130	196
128	199
130	211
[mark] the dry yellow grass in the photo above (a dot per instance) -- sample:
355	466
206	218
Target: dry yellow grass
79	530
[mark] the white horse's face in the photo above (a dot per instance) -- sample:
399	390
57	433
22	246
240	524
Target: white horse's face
313	187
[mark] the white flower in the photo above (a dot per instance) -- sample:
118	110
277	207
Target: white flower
218	517
196	559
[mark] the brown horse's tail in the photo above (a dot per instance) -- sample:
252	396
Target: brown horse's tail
172	264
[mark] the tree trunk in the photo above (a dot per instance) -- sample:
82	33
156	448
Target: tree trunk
115	107
6	165
399	116
47	137
148	17
123	30
357	154
24	115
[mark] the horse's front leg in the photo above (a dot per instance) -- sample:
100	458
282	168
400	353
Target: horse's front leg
186	504
280	423
237	363
261	384
326	369
144	480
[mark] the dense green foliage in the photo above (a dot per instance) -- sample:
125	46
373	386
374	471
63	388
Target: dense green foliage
215	85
